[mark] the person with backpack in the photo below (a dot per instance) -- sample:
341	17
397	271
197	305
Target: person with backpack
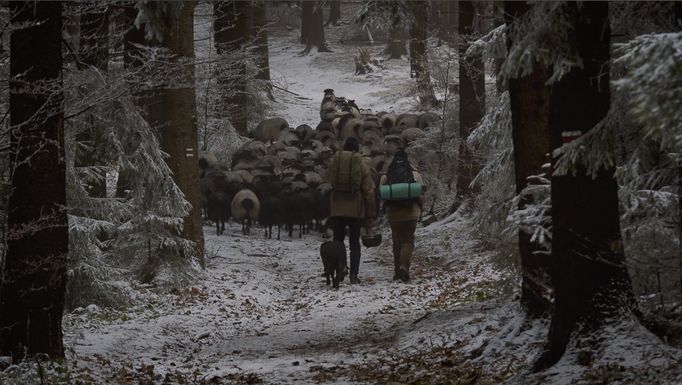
352	199
402	211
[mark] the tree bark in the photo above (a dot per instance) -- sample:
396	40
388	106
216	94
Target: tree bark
174	116
471	99
419	60
306	19
231	31
334	13
312	27
132	62
93	52
261	40
33	278
529	99
94	37
396	47
590	279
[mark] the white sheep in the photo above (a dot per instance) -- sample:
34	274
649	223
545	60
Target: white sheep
245	208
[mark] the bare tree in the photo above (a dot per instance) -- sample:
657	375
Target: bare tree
33	278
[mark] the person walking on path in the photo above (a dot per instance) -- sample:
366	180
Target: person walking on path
402	215
352	199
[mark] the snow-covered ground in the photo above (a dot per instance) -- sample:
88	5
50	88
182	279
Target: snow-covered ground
264	310
261	312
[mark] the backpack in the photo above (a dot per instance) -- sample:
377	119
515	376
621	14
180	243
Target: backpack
400	171
345	172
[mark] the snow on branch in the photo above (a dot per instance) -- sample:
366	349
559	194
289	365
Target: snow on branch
653	83
541	35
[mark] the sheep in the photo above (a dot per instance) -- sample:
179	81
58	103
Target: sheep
387	121
207	160
405	121
218	209
427	119
271	214
286	136
217	189
333	254
304	132
350	129
245	208
411	134
268	130
299	206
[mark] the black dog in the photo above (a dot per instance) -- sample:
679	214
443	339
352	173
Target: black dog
333	255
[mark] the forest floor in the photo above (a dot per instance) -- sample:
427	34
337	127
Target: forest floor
262	313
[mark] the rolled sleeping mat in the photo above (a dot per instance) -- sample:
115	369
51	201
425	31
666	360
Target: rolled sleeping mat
400	191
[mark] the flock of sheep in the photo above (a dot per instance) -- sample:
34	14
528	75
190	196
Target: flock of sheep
278	178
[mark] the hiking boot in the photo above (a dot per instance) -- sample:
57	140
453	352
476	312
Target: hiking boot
404	276
354	280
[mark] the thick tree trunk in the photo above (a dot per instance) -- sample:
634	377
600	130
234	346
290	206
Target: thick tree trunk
231	32
34	273
94	37
93	52
396	46
261	40
132	62
529	97
591	282
306	19
174	116
312	27
334	13
419	60
471	99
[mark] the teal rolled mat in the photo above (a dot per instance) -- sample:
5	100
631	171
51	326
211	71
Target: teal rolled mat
400	191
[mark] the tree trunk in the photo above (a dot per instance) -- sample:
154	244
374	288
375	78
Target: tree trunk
419	60
471	99
173	115
231	32
312	27
93	52
396	47
132	62
33	277
590	279
334	13
94	37
306	19
261	40
529	97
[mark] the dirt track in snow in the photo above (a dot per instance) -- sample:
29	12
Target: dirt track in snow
265	311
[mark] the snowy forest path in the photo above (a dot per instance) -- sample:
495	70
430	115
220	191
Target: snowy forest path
263	309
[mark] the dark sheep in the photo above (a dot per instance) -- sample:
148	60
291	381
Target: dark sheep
271	214
333	254
217	191
218	209
299	209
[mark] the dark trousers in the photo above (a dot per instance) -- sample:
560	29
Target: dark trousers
339	228
403	244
